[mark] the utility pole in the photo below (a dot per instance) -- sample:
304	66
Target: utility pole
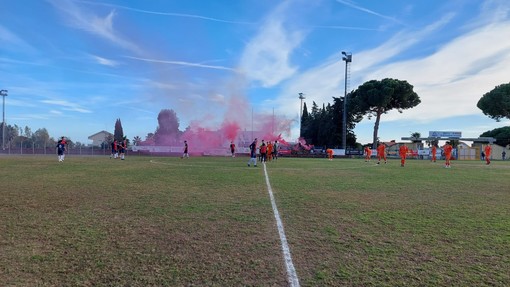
301	97
3	93
347	57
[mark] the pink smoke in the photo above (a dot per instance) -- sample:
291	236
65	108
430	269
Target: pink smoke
302	144
226	119
230	130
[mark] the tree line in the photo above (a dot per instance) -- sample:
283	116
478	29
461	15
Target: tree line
16	136
323	126
319	126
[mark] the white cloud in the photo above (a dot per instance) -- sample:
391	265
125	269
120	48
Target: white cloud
88	21
353	5
9	39
104	61
195	16
325	81
181	63
78	109
28	117
449	81
266	56
218	98
68	106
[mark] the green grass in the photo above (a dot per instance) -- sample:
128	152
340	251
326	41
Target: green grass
92	221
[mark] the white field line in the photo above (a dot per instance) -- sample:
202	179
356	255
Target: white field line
291	271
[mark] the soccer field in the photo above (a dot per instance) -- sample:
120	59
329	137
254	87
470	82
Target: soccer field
210	221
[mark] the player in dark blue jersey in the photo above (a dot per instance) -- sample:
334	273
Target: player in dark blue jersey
253	153
114	153
185	153
61	148
122	149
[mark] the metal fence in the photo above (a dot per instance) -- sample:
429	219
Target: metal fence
52	151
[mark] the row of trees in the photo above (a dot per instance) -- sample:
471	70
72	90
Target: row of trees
320	126
496	105
323	126
16	136
374	98
167	132
23	137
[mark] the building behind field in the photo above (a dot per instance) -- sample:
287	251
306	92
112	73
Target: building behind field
99	138
497	150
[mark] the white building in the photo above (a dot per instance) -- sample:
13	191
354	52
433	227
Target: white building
100	137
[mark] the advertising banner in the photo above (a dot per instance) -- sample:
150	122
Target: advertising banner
444	134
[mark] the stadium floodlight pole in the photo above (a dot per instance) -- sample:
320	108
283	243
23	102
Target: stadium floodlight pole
347	57
301	97
3	93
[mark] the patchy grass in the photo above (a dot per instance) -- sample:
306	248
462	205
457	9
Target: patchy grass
92	221
352	223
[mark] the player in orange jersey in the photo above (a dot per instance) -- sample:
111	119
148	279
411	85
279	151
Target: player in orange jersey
488	151
269	150
434	151
447	149
368	153
330	153
402	150
381	153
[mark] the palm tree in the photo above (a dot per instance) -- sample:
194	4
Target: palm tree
416	135
137	140
415	139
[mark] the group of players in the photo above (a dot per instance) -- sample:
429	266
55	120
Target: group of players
268	151
404	150
118	149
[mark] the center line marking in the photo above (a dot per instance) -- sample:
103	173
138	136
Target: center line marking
291	271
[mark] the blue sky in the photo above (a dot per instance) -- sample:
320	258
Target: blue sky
74	67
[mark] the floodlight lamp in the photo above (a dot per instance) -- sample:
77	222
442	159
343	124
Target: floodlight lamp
344	53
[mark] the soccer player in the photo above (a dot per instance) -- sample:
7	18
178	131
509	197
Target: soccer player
368	153
402	150
263	143
61	148
122	149
381	153
488	151
114	149
275	150
434	151
269	152
233	148
330	153
447	149
253	153
263	151
65	148
185	153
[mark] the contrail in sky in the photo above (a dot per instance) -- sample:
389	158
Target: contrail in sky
181	63
352	5
166	13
